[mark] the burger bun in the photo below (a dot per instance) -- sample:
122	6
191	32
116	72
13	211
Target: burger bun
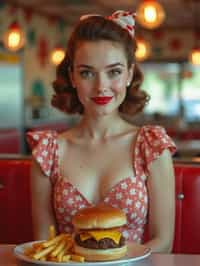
100	254
101	216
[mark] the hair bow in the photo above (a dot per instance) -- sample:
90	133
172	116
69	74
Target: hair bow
126	19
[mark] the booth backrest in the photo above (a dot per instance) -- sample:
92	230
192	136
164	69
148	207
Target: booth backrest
15	207
10	141
187	233
15	204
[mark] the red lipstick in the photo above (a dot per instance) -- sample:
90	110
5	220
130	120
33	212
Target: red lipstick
101	100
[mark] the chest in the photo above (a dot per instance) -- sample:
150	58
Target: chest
93	171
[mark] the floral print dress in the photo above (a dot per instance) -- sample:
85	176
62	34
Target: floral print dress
130	194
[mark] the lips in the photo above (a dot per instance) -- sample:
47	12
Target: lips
102	100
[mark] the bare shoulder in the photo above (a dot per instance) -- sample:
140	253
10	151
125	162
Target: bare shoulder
67	136
65	139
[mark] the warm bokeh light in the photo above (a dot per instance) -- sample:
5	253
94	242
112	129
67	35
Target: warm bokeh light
143	50
13	38
150	14
194	56
57	55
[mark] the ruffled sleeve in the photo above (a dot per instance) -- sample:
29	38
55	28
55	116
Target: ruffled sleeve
151	142
44	147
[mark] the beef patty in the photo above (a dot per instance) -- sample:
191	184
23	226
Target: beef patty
104	243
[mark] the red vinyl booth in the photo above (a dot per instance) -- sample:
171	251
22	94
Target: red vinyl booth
190	135
10	141
187	226
15	205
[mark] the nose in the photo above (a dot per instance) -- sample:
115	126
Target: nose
101	83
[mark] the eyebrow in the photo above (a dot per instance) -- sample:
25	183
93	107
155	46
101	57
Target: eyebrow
108	66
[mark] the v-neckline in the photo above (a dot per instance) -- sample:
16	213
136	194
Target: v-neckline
133	146
66	182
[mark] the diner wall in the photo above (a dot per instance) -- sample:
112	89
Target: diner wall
42	35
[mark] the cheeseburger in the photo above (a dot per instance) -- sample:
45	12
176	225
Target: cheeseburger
97	233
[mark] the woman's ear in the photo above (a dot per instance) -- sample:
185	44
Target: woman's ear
130	74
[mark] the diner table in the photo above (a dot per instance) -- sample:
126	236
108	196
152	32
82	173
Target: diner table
7	258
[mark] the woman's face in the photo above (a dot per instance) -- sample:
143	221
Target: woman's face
100	75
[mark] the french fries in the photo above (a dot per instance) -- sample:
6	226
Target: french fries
52	232
58	248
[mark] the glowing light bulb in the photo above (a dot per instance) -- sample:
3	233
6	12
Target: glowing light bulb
57	55
150	14
143	50
195	56
13	38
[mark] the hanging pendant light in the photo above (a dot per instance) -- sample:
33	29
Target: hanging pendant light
14	38
57	55
143	49
150	14
194	56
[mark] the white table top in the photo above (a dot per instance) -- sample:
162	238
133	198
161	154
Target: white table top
7	259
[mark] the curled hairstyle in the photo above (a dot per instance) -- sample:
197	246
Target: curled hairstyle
97	28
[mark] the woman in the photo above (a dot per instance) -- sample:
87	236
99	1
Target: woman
103	159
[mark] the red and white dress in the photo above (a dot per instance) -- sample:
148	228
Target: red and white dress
130	194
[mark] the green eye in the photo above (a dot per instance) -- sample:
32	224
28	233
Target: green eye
86	74
115	72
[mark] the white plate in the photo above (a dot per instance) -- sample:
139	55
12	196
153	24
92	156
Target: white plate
135	252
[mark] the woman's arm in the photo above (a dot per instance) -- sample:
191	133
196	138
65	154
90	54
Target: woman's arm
161	190
41	195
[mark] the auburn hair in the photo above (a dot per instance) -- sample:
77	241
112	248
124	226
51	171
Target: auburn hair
94	29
